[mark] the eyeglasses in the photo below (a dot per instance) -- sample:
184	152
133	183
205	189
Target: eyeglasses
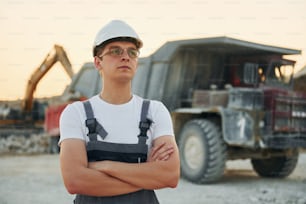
118	52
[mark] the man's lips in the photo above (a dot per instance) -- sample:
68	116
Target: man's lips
124	67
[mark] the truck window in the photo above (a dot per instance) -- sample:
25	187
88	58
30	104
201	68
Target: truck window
280	74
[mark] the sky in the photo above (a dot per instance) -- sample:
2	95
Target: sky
30	28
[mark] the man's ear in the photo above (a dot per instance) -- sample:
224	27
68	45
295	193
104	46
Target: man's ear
97	63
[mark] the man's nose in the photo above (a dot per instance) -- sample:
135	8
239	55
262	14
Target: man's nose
125	55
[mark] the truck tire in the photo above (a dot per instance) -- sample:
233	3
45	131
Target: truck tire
53	145
275	167
202	152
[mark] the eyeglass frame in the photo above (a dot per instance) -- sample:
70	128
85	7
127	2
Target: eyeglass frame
109	52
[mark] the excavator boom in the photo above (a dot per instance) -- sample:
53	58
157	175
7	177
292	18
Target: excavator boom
57	54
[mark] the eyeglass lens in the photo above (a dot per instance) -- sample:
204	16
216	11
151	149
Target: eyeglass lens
118	51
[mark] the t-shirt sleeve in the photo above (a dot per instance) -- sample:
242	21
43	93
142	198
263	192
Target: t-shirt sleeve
162	122
71	124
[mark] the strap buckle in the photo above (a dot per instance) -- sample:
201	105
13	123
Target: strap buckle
144	127
91	124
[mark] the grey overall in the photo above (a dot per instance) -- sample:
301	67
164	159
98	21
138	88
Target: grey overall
131	153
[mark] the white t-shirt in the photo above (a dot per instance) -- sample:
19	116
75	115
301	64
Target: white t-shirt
121	122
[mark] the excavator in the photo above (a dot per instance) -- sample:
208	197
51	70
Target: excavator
11	116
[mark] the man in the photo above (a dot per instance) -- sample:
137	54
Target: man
99	140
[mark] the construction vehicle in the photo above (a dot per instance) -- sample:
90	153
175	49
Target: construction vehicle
229	99
31	112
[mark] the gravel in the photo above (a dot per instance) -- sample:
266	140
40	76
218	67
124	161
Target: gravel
37	179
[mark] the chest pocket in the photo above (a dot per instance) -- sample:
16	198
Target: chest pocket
100	150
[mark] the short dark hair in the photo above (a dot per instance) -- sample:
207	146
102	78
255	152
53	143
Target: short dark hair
99	48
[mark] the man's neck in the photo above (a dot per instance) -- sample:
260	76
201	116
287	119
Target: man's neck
116	94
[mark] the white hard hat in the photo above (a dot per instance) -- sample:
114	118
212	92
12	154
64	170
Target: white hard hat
117	29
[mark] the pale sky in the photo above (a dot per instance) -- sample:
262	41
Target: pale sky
30	28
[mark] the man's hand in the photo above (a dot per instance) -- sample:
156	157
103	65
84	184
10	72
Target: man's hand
160	152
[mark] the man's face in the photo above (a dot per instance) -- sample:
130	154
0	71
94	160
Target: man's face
118	61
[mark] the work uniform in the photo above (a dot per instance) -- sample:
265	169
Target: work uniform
118	127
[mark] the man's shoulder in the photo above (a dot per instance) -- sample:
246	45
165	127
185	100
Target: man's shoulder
153	103
78	105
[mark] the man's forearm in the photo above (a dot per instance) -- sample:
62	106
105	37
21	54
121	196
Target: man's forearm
96	183
148	175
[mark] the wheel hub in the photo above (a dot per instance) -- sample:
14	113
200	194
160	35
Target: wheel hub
194	152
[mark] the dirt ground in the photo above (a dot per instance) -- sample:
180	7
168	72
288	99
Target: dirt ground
37	179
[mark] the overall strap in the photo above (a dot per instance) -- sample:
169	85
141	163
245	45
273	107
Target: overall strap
144	123
94	128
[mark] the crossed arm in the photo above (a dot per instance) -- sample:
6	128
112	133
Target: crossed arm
108	178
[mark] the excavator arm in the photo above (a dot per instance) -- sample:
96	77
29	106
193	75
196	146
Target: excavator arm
57	54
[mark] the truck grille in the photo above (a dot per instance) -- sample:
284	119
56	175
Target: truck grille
289	115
